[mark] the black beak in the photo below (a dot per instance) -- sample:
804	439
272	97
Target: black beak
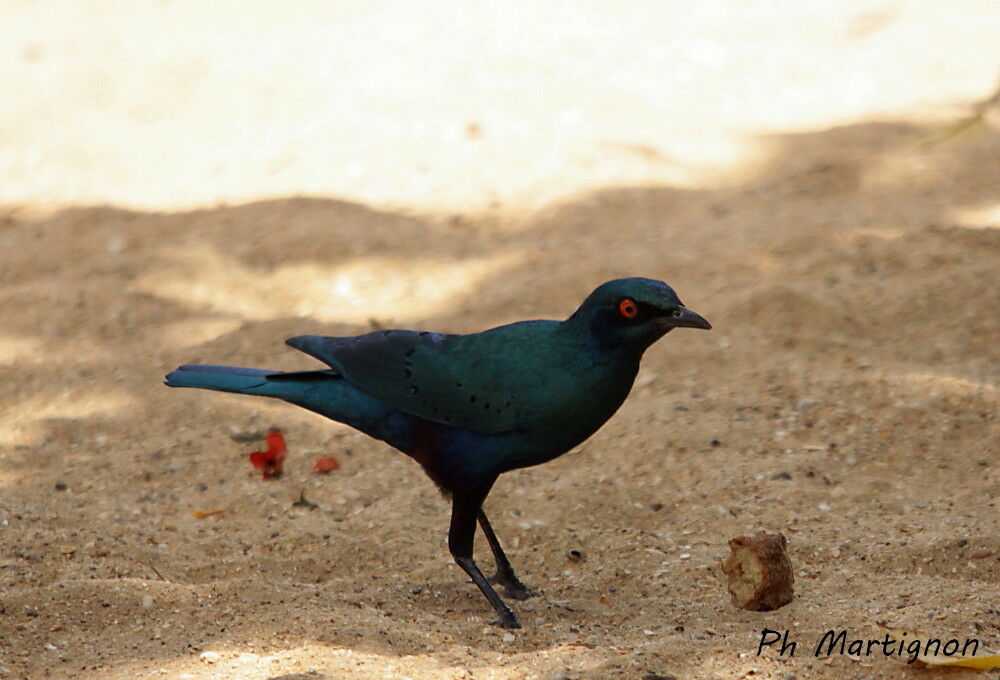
682	317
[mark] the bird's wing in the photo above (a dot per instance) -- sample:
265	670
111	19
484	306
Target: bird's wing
463	381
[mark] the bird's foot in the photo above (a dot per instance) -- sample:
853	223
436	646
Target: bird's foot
518	592
512	586
507	620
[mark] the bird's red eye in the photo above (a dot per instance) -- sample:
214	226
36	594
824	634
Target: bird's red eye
628	308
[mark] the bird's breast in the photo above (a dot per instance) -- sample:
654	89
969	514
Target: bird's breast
575	406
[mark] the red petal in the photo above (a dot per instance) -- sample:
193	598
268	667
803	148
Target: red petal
325	465
276	441
277	464
270	462
260	459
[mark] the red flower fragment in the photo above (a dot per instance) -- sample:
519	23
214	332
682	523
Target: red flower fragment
270	462
325	465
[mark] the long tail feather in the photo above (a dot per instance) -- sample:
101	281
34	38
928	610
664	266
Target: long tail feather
221	378
325	392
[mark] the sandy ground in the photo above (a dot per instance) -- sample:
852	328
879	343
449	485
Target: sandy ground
846	253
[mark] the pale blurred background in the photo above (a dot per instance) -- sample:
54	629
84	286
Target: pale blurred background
444	105
192	182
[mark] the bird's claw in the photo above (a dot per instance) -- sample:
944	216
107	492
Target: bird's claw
512	586
518	592
507	621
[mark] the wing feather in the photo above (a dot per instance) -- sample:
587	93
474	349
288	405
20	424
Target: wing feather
459	380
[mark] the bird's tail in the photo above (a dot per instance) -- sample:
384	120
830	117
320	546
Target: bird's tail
258	381
325	392
221	378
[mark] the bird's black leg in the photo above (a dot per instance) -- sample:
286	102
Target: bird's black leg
460	539
505	576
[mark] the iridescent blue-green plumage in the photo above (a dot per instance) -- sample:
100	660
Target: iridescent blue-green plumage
470	407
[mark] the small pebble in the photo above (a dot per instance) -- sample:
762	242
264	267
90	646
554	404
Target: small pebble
508	637
51	647
824	507
646	379
245	436
115	244
210	657
147	601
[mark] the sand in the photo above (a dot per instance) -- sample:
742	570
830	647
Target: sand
846	397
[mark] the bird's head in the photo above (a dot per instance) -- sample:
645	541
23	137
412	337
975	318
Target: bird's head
634	313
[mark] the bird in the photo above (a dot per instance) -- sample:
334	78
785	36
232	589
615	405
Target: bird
469	407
